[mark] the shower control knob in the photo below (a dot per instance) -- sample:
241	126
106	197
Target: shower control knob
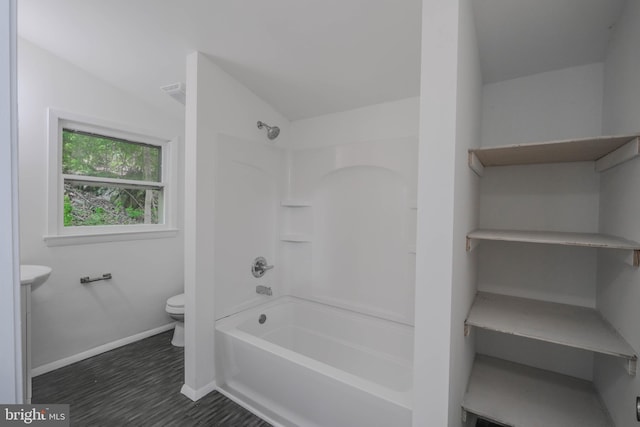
260	267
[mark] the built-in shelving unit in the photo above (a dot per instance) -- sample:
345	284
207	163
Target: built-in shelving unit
296	238
605	151
563	324
522	396
593	240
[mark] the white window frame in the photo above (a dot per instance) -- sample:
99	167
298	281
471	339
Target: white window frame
57	233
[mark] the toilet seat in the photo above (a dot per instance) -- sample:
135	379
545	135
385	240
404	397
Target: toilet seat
175	304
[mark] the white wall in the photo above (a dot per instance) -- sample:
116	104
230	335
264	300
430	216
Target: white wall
466	191
68	317
361	181
553	105
621	88
554	197
11	355
435	225
219	111
548	106
618	290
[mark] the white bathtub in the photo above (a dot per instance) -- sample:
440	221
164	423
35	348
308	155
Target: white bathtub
310	364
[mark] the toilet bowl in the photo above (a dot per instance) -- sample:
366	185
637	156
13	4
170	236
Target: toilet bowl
175	309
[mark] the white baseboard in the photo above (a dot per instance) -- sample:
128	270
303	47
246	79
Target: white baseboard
43	369
198	394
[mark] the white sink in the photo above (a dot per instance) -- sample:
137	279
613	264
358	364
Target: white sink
34	275
31	277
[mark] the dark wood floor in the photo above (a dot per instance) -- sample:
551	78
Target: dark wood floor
136	385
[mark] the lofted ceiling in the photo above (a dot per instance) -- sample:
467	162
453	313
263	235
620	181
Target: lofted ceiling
305	57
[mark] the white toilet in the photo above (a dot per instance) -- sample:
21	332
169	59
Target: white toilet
175	309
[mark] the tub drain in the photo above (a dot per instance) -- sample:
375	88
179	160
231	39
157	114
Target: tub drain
262	319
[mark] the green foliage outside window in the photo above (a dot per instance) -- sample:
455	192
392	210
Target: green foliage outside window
104	157
68	218
91	204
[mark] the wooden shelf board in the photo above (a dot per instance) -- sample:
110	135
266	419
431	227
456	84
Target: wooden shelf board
556	238
522	396
573	150
563	324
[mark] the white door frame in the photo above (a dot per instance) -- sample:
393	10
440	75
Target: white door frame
10	332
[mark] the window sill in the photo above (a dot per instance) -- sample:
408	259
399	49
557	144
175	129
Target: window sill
84	239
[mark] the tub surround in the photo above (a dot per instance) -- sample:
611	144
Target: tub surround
309	212
360	224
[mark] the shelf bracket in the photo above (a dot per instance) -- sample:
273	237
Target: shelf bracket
631	366
463	415
472	243
467	329
627	152
475	164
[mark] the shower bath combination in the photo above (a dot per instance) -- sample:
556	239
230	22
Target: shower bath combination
272	131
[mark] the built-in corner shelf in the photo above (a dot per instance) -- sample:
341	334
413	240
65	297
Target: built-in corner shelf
294	203
522	396
295	238
592	240
605	151
572	326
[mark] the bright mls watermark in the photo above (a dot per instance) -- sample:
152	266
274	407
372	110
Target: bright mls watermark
34	415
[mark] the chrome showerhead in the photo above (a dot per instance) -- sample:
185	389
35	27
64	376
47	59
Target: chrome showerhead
272	131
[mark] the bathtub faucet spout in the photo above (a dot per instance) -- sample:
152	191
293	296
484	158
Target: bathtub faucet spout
263	290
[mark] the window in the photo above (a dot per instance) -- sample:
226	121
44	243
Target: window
106	181
110	181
